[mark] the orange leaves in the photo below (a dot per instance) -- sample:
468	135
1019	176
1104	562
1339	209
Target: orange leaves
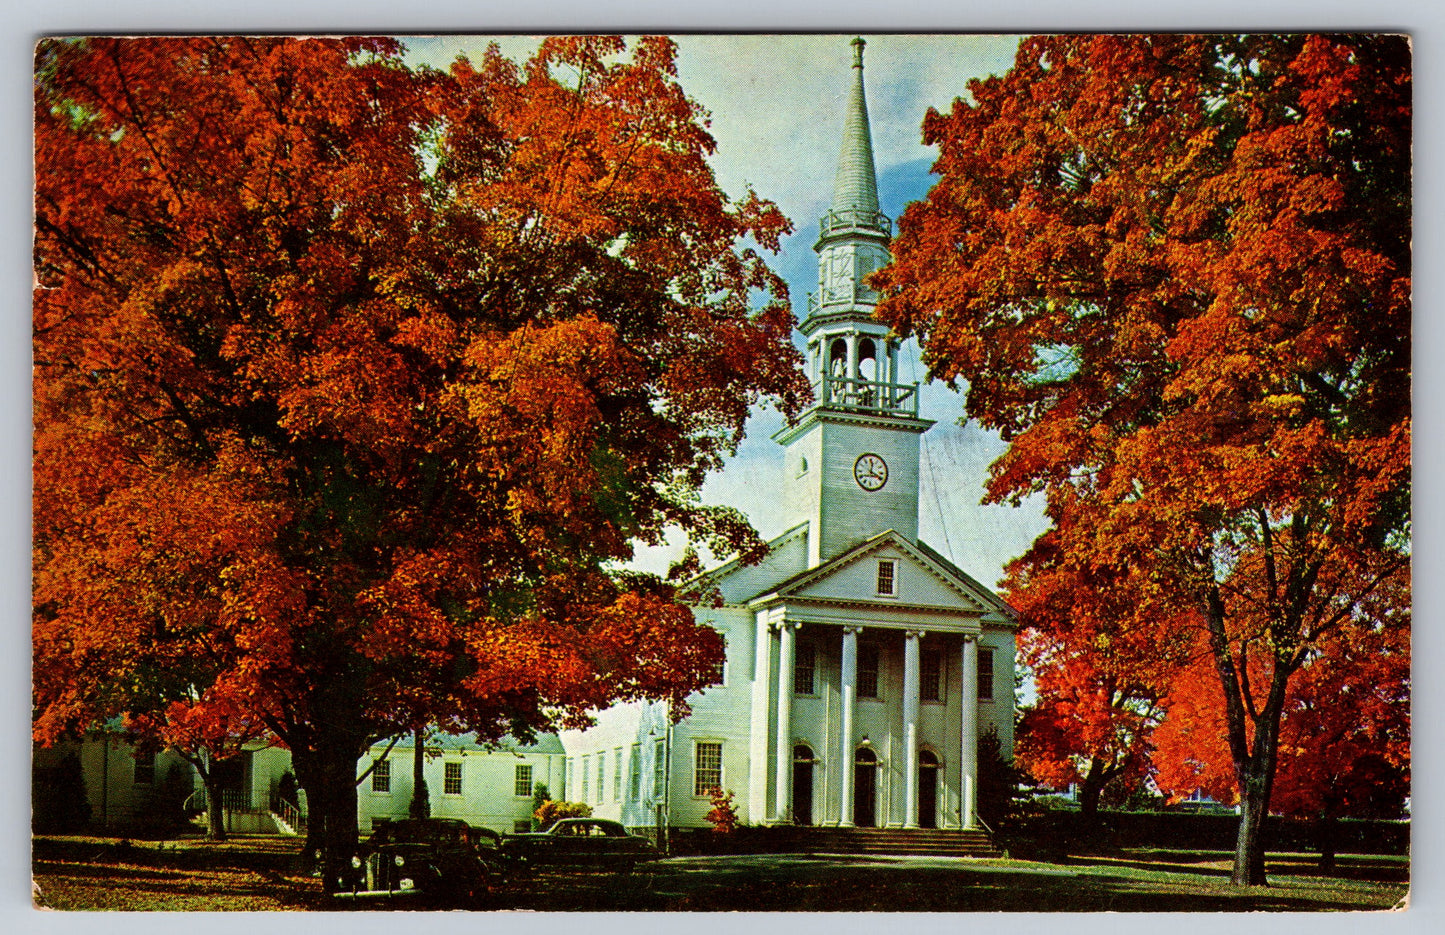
638	647
353	381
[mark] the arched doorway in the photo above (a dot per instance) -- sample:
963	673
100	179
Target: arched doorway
865	788
802	784
927	789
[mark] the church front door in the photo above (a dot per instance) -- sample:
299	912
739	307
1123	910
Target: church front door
802	785
927	790
865	789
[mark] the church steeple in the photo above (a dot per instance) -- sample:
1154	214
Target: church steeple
854	361
855	192
852	459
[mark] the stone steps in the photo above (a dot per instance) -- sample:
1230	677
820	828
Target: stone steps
919	842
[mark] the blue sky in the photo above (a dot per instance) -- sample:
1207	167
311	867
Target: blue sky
776	105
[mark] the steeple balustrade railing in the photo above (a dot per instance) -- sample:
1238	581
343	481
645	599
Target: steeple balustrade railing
837	222
874	396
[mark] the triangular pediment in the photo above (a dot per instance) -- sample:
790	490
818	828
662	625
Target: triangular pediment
922	578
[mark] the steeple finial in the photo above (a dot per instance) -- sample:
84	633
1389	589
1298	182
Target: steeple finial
856	187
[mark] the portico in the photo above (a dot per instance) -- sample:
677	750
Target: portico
910	695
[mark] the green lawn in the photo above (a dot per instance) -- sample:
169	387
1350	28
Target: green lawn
262	874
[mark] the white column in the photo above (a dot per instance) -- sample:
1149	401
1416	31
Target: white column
968	752
911	691
848	683
761	724
852	357
785	722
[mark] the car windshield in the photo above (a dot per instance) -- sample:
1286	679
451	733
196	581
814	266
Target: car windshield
592	829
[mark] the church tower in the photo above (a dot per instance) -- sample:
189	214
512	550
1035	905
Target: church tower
851	462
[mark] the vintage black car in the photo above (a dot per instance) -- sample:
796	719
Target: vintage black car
442	861
579	843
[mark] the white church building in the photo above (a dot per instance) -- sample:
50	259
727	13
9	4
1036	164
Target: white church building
862	665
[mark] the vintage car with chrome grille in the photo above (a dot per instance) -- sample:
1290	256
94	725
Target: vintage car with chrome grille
436	860
579	843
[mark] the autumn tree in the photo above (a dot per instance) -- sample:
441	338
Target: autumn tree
201	732
356	384
1086	726
1174	272
1344	748
1099	688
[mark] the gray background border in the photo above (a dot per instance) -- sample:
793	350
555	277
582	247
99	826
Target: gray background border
24	25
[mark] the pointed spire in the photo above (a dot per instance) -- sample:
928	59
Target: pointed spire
856	188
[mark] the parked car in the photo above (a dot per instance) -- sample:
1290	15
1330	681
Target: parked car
443	860
588	843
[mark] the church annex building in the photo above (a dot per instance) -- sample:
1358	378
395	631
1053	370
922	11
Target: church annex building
862	665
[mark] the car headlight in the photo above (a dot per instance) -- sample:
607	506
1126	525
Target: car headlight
356	862
407	883
399	860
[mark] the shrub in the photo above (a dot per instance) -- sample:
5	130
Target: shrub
541	795
724	816
552	812
58	798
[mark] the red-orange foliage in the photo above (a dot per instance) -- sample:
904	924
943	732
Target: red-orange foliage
724	815
1344	746
1099	687
1175	274
353	383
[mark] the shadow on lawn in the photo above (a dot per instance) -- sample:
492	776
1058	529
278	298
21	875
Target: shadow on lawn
1206	863
821	887
260	854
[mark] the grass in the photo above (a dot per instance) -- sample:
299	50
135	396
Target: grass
259	873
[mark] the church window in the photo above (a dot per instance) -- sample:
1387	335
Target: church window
586	772
145	769
985	674
452	779
707	769
867	670
601	776
381	776
932	681
720	671
617	775
634	774
659	769
522	781
804	669
885	578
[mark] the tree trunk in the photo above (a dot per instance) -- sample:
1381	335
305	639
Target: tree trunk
1093	789
215	814
420	797
1326	829
329	777
1249	846
1254	763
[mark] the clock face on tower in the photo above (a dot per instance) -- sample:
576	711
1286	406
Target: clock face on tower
870	471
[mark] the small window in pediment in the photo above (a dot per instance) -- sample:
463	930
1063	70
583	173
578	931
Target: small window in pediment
886	580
